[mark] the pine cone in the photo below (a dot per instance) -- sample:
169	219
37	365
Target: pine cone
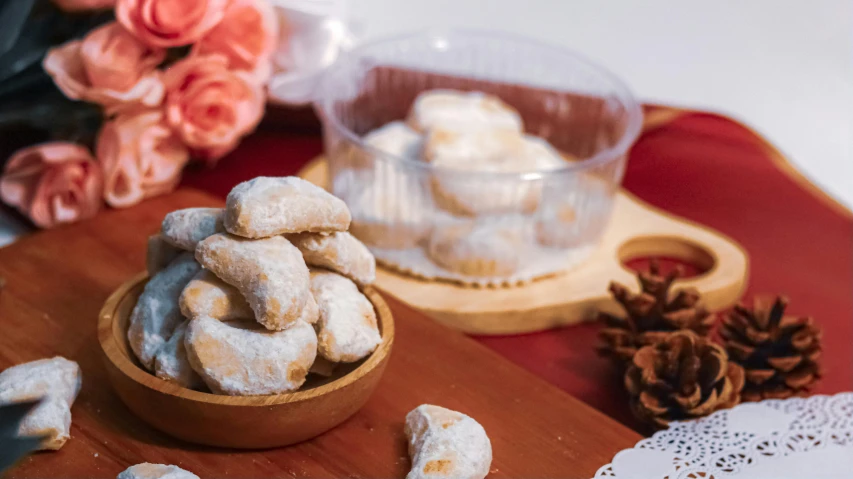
779	353
682	377
651	315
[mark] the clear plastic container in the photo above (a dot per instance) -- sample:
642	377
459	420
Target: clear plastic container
409	211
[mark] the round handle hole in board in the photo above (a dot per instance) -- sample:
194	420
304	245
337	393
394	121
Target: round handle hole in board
670	252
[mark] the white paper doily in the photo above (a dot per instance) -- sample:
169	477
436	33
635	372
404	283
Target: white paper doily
808	438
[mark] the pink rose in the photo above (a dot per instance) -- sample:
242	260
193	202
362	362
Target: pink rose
109	67
246	37
210	106
140	156
53	183
81	5
170	23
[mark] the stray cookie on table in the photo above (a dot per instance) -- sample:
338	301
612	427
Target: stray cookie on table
155	471
56	381
239	358
347	329
267	206
446	444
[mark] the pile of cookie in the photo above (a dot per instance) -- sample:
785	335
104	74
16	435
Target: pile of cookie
248	299
456	213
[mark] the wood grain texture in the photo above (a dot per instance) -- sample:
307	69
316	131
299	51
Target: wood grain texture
248	422
636	229
58	280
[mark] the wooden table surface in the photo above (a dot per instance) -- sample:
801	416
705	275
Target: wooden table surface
56	282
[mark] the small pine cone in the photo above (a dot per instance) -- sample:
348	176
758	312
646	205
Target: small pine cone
779	353
685	376
652	315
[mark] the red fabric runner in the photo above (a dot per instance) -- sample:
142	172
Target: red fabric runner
704	167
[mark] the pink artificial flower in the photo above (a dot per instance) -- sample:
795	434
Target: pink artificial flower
246	37
210	106
82	5
170	23
140	156
53	183
109	67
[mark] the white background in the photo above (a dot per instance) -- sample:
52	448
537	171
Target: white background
783	67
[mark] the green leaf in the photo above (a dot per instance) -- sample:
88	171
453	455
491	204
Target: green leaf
13	17
12	447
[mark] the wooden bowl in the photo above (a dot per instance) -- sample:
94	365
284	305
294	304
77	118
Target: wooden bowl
245	422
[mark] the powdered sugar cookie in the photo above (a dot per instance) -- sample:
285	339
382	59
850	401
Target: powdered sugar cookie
390	210
207	295
459	110
557	226
267	206
446	443
347	330
542	155
242	359
57	381
270	273
469	189
477	248
171	363
155	471
156	313
160	253
185	228
340	252
395	138
477	150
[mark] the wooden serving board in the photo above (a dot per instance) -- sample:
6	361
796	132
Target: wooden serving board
57	281
636	230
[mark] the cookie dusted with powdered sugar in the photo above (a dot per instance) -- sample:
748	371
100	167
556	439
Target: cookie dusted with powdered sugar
185	228
207	295
446	444
267	206
159	254
243	359
155	471
156	313
390	209
340	252
347	329
395	138
479	170
270	273
477	248
459	110
171	363
58	381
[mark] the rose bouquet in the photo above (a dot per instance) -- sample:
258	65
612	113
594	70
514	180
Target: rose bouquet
173	81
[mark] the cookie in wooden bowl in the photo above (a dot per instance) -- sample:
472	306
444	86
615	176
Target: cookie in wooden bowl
244	422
